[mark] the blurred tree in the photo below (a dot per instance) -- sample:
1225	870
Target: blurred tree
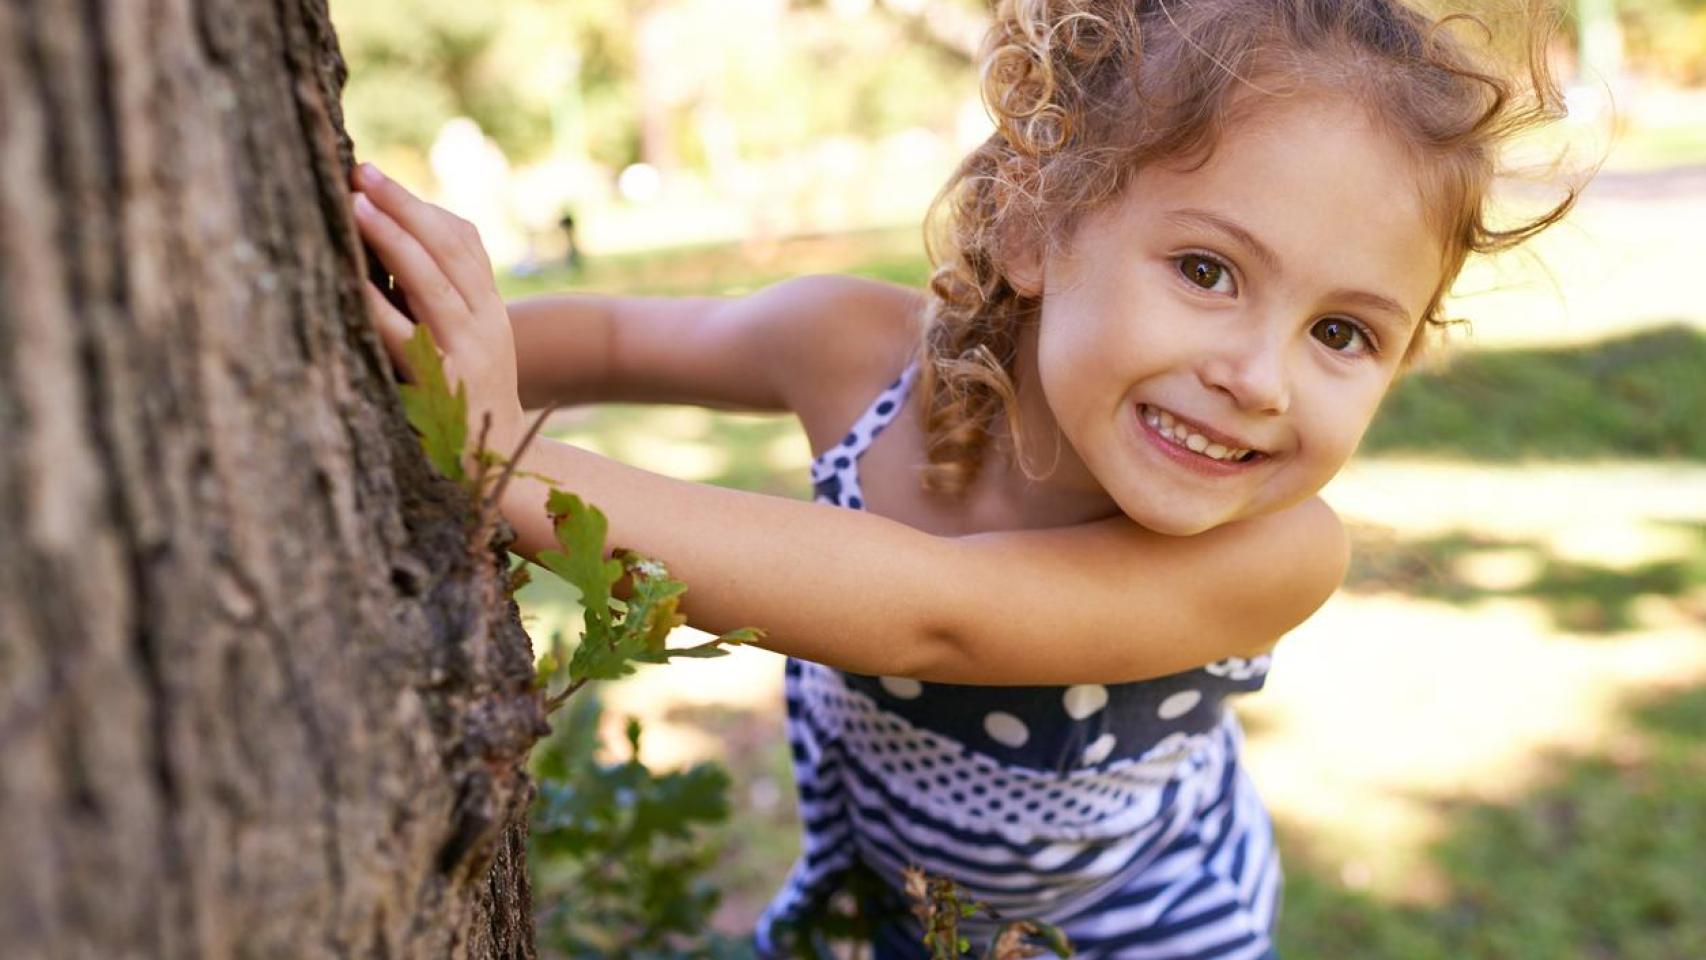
711	65
417	63
1666	38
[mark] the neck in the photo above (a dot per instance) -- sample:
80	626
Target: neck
1059	490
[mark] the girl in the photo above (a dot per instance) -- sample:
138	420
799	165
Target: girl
1076	505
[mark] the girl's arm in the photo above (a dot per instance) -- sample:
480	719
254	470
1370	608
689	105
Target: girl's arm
1096	603
757	352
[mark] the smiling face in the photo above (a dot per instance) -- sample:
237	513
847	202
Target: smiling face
1213	343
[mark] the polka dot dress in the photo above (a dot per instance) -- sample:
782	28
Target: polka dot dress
1118	811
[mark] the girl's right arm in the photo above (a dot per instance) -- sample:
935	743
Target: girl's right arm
767	351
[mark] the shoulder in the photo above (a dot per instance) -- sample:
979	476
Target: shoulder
837	341
1244	585
1288	563
1234	590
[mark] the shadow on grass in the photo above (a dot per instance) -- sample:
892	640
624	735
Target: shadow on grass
1603	861
1639	396
1464	568
743	443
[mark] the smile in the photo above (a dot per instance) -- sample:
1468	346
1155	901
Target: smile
1194	439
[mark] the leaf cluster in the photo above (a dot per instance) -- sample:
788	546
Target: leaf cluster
619	852
618	633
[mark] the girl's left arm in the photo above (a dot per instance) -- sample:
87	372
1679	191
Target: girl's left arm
1095	603
1101	602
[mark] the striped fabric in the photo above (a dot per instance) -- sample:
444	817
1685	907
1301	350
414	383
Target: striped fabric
1118	812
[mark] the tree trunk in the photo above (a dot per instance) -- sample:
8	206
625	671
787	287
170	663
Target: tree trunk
258	694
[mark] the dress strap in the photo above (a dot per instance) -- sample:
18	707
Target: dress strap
838	466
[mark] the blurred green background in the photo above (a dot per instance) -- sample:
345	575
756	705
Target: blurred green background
1491	743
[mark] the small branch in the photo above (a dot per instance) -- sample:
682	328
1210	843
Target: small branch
515	458
552	703
479	448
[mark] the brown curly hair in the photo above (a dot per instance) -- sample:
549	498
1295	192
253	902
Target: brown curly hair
1084	93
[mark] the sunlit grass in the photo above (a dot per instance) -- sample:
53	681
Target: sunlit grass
1598	856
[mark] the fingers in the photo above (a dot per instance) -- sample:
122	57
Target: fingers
394	328
452	242
431	295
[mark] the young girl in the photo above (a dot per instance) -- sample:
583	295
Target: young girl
1066	497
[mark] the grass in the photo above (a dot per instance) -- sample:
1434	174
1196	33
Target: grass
1582	598
1601	862
1639	396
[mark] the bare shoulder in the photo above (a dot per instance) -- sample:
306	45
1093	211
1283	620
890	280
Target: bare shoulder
1286	565
845	337
1234	590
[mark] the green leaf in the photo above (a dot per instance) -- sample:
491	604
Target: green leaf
676	801
580	531
439	416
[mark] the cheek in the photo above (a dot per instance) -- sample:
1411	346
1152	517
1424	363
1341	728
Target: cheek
1079	360
1340	418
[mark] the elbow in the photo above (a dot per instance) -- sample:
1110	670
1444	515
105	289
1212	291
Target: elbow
1320	570
935	636
950	634
931	652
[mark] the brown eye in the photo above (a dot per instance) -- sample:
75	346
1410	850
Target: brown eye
1337	333
1202	271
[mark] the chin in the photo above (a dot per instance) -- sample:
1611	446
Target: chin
1172	523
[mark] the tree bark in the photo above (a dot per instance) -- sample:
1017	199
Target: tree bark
259	696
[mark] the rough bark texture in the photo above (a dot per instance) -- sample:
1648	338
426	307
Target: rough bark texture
258	695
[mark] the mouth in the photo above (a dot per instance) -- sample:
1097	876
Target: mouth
1195	440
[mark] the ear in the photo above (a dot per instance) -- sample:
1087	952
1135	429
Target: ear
1024	270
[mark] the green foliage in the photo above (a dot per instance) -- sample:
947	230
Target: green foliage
525	70
580	530
437	414
1666	37
507	64
619	851
617	634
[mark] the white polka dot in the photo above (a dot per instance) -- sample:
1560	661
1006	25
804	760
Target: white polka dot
1099	750
1004	728
905	688
1179	704
1085	699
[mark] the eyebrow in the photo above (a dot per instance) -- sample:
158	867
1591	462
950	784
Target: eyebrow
1191	217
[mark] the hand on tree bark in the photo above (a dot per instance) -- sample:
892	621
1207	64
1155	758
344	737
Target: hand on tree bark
446	278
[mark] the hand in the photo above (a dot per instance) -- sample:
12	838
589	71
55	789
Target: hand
446	279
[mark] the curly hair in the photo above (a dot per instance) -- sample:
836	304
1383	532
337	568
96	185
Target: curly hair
1084	93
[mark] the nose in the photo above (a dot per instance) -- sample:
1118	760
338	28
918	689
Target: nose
1252	373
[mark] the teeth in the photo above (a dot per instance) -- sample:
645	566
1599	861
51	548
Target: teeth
1170	427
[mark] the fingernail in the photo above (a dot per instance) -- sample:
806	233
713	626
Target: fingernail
369	174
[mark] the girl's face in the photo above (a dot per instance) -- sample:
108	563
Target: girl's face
1214	343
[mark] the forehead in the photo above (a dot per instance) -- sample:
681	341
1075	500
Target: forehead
1336	197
